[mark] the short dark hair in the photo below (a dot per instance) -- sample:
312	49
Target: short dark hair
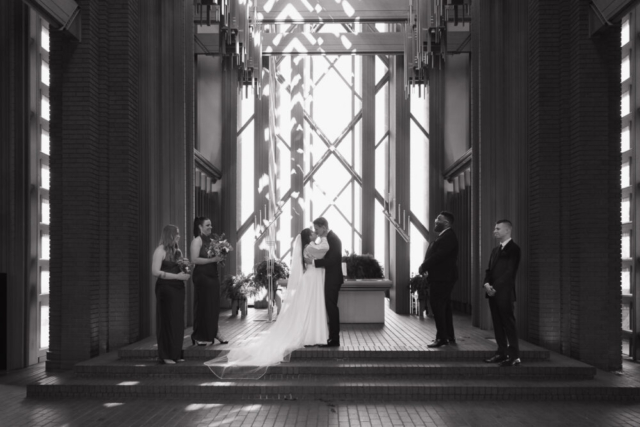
321	222
448	216
504	221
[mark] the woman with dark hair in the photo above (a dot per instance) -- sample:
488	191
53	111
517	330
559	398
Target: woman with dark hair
302	321
206	286
169	296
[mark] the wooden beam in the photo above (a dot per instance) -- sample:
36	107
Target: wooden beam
368	154
330	11
332	44
605	13
60	14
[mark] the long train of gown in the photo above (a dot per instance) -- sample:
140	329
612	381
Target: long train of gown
302	321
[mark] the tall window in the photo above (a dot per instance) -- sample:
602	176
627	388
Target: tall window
627	178
40	108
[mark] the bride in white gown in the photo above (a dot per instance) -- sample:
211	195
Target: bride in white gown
302	320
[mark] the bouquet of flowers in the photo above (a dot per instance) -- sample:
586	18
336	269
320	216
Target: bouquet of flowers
219	247
186	266
419	283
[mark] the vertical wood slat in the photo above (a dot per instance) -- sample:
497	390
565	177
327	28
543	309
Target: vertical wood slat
399	182
14	122
229	159
368	154
298	221
261	149
499	139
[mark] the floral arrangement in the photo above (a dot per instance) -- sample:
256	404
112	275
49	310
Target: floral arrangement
362	267
186	266
239	287
418	283
219	247
280	271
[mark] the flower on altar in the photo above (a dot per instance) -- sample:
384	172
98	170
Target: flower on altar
239	287
418	283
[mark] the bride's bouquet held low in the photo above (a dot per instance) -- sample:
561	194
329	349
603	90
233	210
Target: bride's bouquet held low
219	247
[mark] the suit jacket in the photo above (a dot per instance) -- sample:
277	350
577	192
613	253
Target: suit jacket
332	262
503	266
441	259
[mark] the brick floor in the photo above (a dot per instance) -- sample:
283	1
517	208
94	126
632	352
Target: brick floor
17	410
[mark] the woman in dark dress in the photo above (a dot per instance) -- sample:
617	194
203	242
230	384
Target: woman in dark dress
169	296
206	303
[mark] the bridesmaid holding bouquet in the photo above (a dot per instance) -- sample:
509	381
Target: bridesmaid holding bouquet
206	285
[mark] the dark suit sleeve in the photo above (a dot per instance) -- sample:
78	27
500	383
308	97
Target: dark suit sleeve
334	254
487	273
509	274
442	248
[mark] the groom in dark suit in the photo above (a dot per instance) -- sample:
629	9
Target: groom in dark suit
500	288
333	278
440	266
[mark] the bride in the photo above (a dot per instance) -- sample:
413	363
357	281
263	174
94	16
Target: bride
302	320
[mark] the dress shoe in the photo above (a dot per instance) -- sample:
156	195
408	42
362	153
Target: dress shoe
222	340
179	360
331	343
510	362
496	358
453	342
168	362
437	343
198	343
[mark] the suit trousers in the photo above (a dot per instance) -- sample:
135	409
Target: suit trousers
504	326
333	314
440	296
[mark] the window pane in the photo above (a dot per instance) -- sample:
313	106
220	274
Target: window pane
625	33
44	73
626	210
45	108
44	38
44	142
44	247
625	140
44	326
626	245
44	211
44	282
625	71
626	281
44	177
626	309
624	175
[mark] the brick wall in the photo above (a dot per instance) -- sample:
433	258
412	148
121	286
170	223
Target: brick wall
94	184
574	153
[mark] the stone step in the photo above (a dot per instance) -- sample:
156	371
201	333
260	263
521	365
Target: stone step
450	352
331	388
558	368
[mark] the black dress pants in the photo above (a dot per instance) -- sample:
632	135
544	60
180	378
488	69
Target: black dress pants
504	326
440	296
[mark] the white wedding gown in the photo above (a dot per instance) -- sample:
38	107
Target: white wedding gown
302	321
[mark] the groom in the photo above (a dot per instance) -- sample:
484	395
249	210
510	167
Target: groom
332	263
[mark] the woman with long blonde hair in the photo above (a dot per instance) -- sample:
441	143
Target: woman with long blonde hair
169	296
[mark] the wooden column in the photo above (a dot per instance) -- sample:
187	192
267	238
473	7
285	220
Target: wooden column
399	182
261	150
298	219
436	147
499	140
230	203
368	154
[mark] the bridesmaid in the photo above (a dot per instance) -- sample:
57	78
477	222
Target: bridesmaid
206	304
169	296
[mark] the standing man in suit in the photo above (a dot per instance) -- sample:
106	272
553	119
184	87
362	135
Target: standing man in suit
500	288
333	279
440	266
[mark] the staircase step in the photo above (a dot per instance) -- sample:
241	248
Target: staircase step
421	353
558	368
364	388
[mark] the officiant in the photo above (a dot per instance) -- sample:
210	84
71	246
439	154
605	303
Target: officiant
440	266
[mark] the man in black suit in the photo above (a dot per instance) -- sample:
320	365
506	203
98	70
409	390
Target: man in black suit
500	288
333	278
440	265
